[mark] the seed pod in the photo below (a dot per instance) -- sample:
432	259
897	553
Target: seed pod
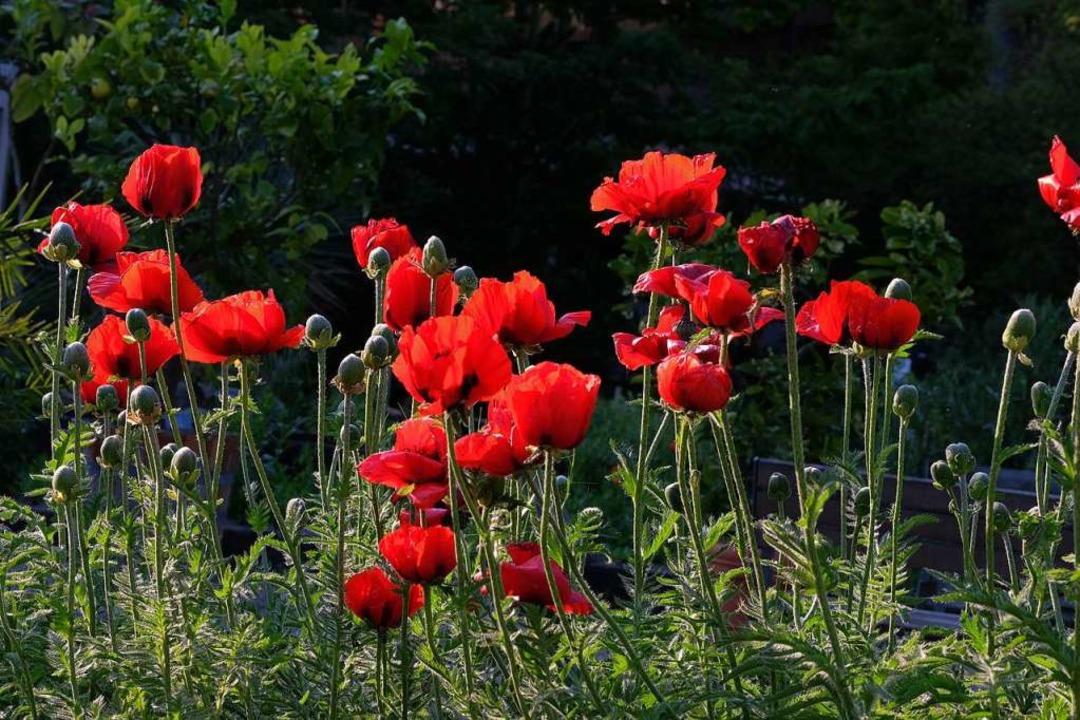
65	483
673	495
1002	517
1019	330
434	260
185	467
779	487
942	475
138	325
350	375
76	360
1041	395
111	452
898	290
144	406
960	459
905	401
376	352
979	486
862	502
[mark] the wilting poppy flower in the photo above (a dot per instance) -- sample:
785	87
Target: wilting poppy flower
519	311
100	230
661	188
408	292
423	555
883	324
496	449
825	319
769	244
525	580
88	389
685	382
416	465
719	300
387	234
552	405
114	355
141	281
663	280
241	325
371	595
451	361
165	182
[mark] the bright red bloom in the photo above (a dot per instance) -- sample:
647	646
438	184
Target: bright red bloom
552	405
826	318
165	182
141	281
496	449
662	188
114	355
694	231
416	466
685	382
88	389
371	595
387	234
769	244
408	292
519	311
248	323
663	281
100	230
1061	189
525	580
451	361
422	555
654	344
883	324
719	300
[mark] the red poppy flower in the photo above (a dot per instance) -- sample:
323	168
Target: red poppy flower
422	555
883	324
719	300
451	361
387	234
519	311
694	231
88	389
654	344
552	405
524	579
408	292
686	382
769	244
662	281
826	318
141	281
165	182
100	230
114	355
416	466
371	595
661	188
496	449
248	323
1061	189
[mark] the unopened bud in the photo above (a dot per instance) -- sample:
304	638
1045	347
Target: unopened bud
673	495
350	375
166	454
434	261
779	487
46	404
1019	330
111	452
378	263
295	510
1072	338
466	280
960	459
942	475
63	246
814	476
376	353
862	502
184	467
355	438
319	333
65	483
1041	396
898	290
76	360
1002	517
144	406
383	330
905	401
138	325
106	399
1074	303
979	486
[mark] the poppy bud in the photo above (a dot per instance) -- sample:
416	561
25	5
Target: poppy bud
898	290
65	483
383	330
350	377
466	280
434	261
76	360
979	486
295	510
166	454
1072	338
814	476
1074	302
376	353
1019	330
46	404
111	452
63	246
960	459
319	333
144	406
673	495
779	487
121	422
905	401
355	438
1002	517
138	325
1041	395
106	398
378	263
185	467
942	475
862	502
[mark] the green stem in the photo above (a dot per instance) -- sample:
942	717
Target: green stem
895	526
58	354
849	360
872	385
80	518
170	412
320	431
463	571
339	558
991	492
76	301
69	522
154	453
405	656
433	646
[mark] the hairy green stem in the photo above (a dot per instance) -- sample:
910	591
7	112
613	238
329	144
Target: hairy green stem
463	571
58	354
894	527
405	657
339	559
160	531
849	360
320	430
871	384
991	492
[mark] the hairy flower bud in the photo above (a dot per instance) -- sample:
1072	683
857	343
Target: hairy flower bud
76	360
434	260
383	330
960	459
673	495
355	438
1002	517
466	280
1074	303
942	475
166	454
378	263
898	290
814	476
106	398
295	510
111	452
65	483
1019	330
1072	338
63	246
905	401
1041	395
862	502
184	467
979	486
46	404
376	353
350	375
144	406
779	487
319	333
138	325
